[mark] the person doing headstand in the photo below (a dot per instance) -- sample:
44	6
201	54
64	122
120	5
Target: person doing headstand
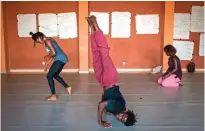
106	74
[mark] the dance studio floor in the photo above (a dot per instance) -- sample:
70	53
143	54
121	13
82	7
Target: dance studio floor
24	107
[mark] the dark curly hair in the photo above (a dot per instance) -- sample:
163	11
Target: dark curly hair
170	50
36	35
131	119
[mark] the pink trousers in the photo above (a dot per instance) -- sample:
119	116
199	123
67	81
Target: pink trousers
170	81
105	71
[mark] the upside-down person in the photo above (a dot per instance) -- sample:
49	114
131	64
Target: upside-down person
106	74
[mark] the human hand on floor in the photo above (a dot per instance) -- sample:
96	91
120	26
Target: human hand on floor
105	124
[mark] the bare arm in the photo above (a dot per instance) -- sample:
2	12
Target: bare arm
49	60
101	108
52	52
167	72
47	63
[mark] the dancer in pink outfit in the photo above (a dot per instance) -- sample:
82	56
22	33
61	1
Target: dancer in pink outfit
173	75
106	74
105	71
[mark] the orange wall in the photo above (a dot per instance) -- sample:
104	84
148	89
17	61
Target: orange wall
21	53
3	63
83	36
139	51
185	7
168	30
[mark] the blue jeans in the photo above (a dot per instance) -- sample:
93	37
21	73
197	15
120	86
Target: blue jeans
54	72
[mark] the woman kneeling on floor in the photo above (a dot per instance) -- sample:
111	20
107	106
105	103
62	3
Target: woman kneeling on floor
173	75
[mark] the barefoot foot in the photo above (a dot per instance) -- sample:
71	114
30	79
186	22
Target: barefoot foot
69	90
88	20
52	98
93	19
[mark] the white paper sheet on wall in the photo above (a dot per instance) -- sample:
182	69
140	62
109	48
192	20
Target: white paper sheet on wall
103	21
184	49
147	24
48	24
197	19
67	25
26	24
181	25
119	31
120	25
121	17
201	45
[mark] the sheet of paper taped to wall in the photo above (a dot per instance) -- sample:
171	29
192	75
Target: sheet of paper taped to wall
184	49
201	45
147	24
67	25
182	25
26	24
197	19
48	24
120	27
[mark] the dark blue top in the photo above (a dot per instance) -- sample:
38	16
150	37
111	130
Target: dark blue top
116	102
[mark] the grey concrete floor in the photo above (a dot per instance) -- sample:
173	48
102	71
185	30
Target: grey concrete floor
24	107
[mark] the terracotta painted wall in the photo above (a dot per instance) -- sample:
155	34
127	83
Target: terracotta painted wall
185	7
21	53
3	63
139	51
